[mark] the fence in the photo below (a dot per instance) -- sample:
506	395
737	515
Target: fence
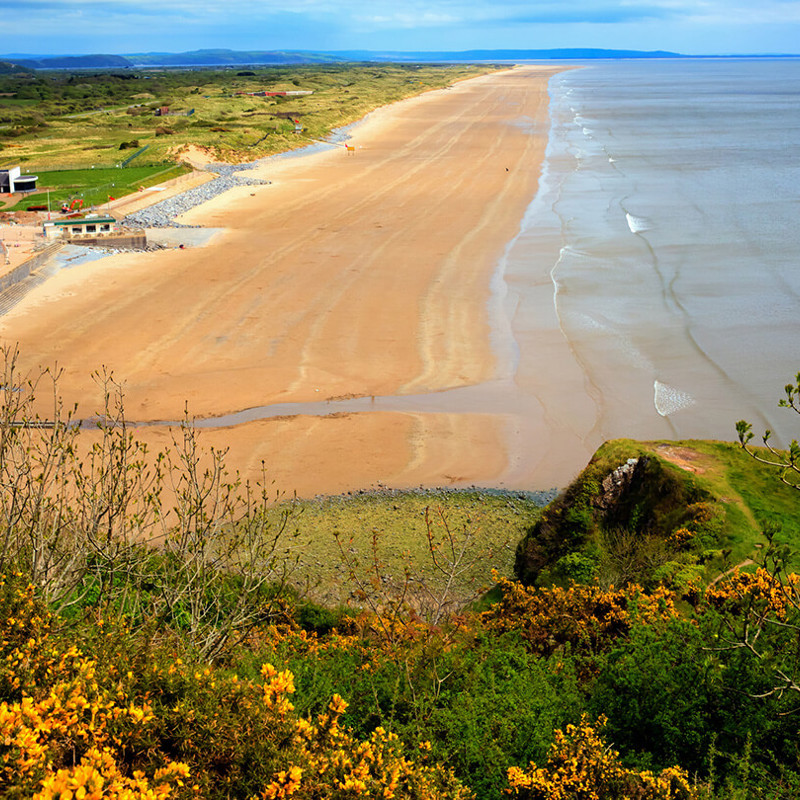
137	153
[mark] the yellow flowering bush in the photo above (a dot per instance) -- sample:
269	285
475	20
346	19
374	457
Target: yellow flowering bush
97	777
64	736
72	731
329	762
236	734
760	592
581	766
581	615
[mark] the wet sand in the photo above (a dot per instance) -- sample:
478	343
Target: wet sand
364	274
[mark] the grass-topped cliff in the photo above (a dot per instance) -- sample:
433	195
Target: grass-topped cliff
169	632
659	512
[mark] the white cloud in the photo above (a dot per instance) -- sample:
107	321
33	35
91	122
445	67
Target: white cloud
406	20
135	25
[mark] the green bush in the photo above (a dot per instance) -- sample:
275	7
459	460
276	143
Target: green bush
672	698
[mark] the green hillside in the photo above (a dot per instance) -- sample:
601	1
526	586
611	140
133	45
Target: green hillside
677	512
84	119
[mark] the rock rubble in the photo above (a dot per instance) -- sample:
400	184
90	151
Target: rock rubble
163	214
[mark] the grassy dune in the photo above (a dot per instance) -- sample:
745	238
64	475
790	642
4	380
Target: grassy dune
62	130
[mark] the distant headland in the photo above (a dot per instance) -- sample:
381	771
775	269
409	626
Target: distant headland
222	57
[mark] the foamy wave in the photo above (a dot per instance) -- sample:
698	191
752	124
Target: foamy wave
668	400
569	250
584	322
637	224
587	131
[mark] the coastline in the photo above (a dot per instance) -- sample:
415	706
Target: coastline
364	275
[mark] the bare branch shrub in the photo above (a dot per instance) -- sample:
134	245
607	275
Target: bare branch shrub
101	525
787	462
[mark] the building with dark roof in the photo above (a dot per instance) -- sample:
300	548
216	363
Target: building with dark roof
12	181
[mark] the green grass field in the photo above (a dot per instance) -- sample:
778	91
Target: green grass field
95	186
754	497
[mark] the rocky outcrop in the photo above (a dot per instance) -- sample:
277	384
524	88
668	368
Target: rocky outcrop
622	489
618	481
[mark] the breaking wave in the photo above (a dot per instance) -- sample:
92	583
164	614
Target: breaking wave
668	400
637	224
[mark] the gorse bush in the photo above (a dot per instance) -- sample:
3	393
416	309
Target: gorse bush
581	766
587	618
88	730
68	732
154	644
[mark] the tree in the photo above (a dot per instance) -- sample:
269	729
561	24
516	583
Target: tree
786	461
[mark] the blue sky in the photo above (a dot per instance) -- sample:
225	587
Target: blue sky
129	26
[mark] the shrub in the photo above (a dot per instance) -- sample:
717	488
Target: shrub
580	766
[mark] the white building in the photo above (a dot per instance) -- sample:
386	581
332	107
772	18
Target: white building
85	227
12	181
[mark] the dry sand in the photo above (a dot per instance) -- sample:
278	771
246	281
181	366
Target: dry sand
349	275
18	245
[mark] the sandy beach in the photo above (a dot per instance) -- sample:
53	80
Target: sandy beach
362	274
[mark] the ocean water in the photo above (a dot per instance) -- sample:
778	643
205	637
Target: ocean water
654	287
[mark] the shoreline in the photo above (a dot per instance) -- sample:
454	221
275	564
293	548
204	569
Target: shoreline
445	350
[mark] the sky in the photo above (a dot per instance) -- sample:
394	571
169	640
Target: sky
693	27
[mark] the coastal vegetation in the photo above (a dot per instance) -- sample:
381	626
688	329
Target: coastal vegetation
166	631
95	187
169	630
58	120
660	512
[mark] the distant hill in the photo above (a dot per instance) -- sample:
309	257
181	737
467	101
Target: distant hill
222	57
505	55
212	58
7	68
238	57
73	62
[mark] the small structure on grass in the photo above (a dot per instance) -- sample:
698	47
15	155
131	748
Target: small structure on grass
292	93
12	181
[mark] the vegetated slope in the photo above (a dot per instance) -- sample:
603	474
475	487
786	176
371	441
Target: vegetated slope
80	119
395	531
217	57
11	68
194	667
655	512
155	643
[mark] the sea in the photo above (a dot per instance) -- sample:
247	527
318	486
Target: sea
653	290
